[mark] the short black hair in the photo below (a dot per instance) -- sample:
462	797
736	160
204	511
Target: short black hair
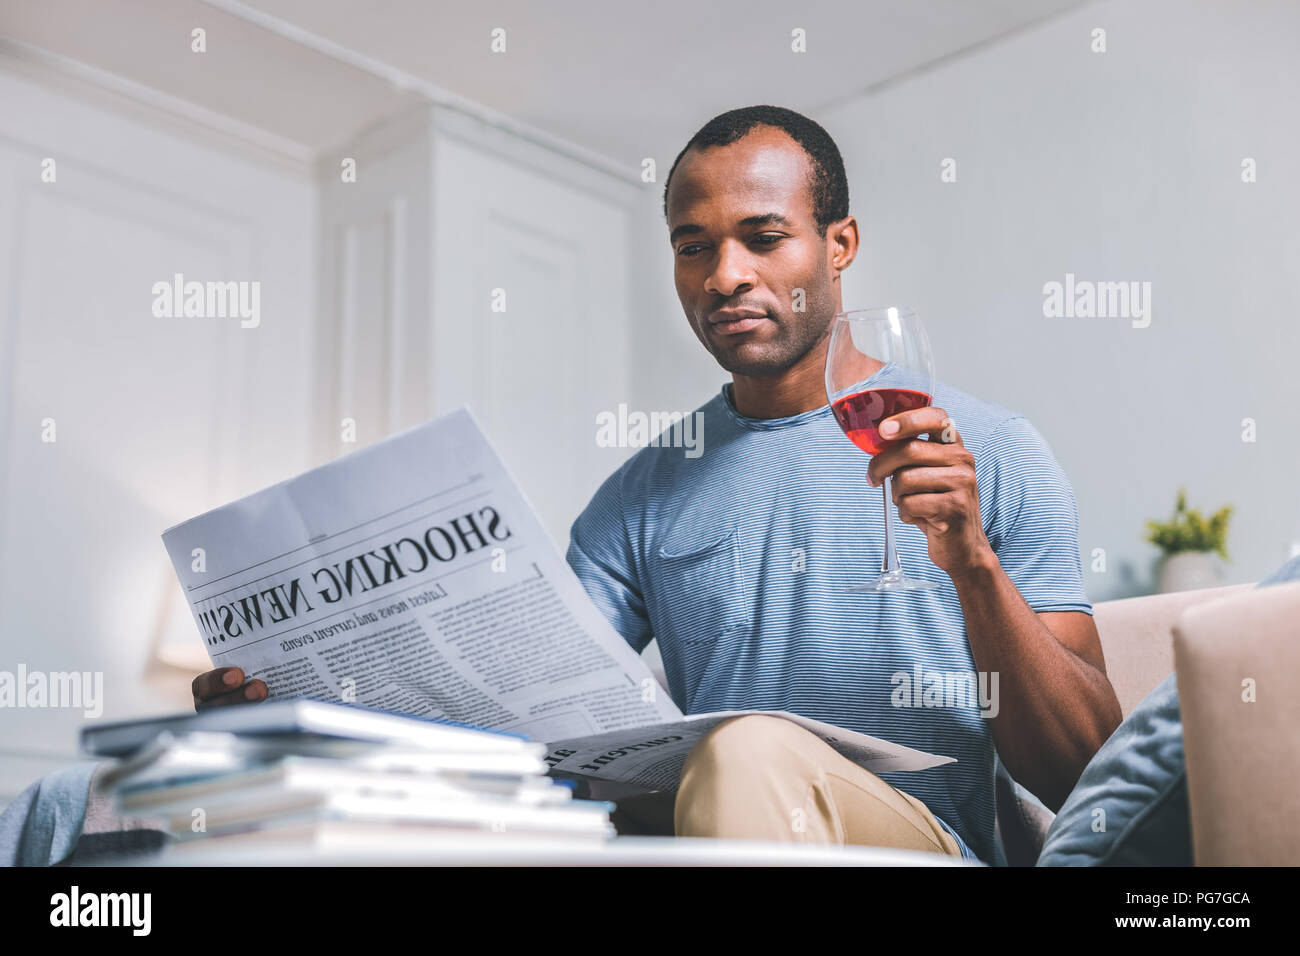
829	186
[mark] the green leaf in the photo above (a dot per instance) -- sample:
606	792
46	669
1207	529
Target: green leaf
1190	530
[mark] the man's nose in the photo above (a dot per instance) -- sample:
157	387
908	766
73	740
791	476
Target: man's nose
733	272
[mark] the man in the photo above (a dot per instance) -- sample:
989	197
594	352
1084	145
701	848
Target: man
738	560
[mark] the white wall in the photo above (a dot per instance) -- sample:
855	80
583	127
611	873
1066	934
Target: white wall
1123	165
445	211
156	419
551	235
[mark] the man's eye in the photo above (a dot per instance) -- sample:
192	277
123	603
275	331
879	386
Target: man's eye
768	239
689	250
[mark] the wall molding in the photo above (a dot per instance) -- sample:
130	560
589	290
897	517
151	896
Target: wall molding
409	82
453	114
106	89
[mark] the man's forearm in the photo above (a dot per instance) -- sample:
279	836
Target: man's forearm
1054	708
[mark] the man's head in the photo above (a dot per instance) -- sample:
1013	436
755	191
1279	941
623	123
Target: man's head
757	205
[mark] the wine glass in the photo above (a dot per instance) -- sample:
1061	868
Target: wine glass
877	365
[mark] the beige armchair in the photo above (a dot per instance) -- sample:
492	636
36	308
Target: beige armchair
1238	664
1243	759
1137	637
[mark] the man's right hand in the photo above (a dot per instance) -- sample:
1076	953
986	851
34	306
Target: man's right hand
225	685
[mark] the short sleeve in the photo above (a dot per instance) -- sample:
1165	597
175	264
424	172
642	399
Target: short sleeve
601	556
1030	517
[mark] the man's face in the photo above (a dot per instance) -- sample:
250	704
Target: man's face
740	219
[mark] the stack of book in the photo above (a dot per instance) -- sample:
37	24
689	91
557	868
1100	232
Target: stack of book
332	777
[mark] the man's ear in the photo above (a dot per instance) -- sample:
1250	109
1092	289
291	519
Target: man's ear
842	243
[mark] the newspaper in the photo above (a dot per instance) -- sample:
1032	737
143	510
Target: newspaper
652	757
413	576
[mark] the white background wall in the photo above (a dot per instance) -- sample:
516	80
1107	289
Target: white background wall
552	236
1116	166
155	419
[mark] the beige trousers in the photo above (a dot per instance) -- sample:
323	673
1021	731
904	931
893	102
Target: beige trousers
765	778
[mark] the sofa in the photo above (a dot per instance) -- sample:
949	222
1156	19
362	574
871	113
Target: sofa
1243	757
1236	756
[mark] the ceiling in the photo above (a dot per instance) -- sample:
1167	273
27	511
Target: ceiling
616	78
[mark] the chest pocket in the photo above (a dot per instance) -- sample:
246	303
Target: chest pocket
700	588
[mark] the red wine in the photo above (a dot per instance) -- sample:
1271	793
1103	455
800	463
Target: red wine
860	413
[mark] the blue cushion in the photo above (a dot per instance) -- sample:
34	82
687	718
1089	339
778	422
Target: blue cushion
1129	807
1288	572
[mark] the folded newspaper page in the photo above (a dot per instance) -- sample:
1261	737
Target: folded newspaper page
652	758
413	576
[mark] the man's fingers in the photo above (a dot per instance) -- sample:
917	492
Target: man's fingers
929	419
251	692
913	481
931	508
220	700
926	454
214	682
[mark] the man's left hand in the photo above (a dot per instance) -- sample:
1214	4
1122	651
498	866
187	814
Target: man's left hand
933	485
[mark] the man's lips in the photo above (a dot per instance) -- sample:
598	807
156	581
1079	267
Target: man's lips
733	321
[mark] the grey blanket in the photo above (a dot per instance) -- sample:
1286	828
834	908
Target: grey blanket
64	819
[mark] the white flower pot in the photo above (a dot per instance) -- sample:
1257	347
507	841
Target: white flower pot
1188	571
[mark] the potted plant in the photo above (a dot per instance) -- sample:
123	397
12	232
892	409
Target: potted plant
1189	541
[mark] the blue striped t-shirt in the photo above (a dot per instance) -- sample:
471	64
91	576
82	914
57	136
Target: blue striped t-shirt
737	561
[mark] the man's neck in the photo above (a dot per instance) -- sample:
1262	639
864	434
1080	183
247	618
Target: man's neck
800	388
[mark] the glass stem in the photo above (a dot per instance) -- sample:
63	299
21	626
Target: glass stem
891	555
